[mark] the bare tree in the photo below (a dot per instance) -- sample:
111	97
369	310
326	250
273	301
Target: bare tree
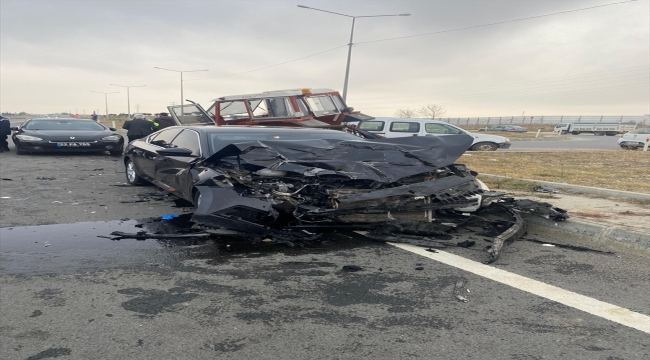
406	113
431	111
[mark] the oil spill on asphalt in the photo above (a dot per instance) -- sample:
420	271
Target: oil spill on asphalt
78	247
87	247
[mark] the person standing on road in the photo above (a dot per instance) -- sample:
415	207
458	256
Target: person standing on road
139	127
94	116
5	131
164	120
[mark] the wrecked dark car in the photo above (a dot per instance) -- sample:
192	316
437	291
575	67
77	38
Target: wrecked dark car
291	185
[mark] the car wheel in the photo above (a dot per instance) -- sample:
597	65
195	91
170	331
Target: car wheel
597	133
196	198
575	132
610	133
132	176
484	146
20	151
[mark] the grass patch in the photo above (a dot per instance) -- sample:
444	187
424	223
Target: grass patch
616	170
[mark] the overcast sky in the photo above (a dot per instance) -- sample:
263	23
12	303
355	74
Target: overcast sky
53	53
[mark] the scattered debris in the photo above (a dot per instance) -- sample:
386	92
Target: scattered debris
7	179
460	291
352	268
45	178
570	247
57	202
466	243
143	235
133	201
169	216
5	197
546	189
419	268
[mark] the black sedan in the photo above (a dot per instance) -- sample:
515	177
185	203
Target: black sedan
288	185
66	135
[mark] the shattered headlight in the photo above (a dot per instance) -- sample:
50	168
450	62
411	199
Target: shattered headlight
112	138
28	138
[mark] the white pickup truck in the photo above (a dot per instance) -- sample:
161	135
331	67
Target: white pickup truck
599	129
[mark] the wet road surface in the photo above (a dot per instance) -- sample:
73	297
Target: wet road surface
85	297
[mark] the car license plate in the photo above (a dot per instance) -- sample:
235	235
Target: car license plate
72	144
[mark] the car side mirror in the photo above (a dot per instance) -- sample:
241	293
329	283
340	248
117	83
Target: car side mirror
14	128
112	129
175	152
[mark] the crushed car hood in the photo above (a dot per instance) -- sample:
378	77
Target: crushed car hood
381	160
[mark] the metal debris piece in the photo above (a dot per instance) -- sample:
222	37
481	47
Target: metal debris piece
460	291
546	189
570	247
352	268
143	235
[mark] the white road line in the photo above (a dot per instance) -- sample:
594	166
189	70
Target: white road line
592	306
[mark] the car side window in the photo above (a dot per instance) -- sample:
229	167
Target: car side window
188	139
371	125
164	138
404	126
435	128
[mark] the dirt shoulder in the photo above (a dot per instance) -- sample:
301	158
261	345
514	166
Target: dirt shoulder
616	170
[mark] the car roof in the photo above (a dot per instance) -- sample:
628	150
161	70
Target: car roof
253	129
62	119
404	119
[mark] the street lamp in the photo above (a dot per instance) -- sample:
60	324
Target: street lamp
347	68
179	71
128	96
106	99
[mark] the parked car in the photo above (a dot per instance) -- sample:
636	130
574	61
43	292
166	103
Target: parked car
506	128
634	139
406	127
65	135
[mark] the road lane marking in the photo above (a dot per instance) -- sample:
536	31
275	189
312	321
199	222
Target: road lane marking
592	306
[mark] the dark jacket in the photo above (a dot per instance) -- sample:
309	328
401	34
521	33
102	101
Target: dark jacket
164	121
139	127
5	127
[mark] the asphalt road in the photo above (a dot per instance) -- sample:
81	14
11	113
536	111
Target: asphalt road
67	294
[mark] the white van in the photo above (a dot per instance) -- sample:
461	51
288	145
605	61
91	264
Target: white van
402	127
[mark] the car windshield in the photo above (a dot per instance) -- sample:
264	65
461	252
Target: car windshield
63	125
641	131
219	140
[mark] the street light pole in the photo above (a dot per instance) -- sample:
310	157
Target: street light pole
106	99
347	67
179	71
128	96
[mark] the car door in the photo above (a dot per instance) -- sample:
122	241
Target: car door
403	128
192	114
146	158
173	171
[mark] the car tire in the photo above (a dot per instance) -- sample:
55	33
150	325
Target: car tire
575	132
610	133
20	151
484	146
132	176
196	198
